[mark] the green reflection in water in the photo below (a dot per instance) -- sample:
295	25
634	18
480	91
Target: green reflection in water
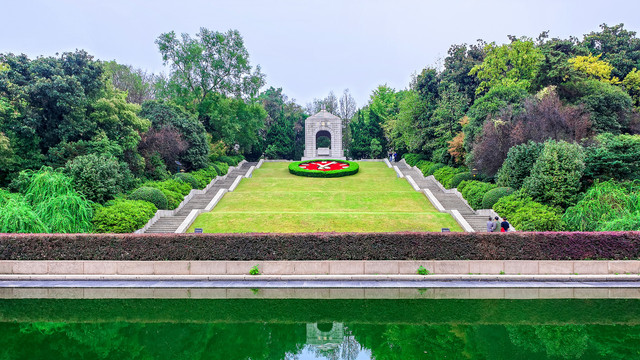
281	329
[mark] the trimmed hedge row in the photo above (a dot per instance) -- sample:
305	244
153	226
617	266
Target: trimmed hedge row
323	246
295	169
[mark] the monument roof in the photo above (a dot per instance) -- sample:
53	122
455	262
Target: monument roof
323	115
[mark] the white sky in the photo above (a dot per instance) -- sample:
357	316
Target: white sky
305	47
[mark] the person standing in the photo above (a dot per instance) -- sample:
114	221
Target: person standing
490	225
504	226
496	224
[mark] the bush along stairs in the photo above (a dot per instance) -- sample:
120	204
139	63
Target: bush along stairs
449	202
169	221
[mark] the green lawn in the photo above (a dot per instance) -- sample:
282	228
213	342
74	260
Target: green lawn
374	200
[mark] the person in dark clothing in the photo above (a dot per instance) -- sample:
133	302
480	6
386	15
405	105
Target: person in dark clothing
504	226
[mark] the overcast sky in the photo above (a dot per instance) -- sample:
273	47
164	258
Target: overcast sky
306	47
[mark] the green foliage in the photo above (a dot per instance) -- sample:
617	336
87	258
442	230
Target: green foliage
163	114
189	179
430	170
204	176
17	216
492	196
295	169
67	213
609	105
445	174
152	195
422	271
555	177
366	127
498	98
123	216
375	149
99	177
615	157
605	206
458	178
46	184
254	270
473	191
412	159
174	190
516	63
518	164
527	215
221	168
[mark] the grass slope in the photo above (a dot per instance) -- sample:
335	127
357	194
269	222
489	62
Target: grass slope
373	200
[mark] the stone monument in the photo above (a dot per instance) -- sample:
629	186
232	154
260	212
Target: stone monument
318	125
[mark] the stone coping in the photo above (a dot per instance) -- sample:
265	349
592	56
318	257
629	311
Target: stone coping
324	267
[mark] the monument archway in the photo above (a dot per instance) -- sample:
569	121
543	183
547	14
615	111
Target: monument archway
323	124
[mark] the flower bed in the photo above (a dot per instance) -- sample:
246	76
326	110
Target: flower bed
324	168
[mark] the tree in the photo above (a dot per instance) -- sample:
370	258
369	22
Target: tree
516	63
594	68
631	84
612	157
99	177
346	107
610	106
518	164
555	177
163	114
136	83
618	46
459	62
213	62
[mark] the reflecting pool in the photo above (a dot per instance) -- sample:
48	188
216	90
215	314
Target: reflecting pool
335	328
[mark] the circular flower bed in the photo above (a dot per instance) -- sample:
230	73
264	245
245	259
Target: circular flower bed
323	168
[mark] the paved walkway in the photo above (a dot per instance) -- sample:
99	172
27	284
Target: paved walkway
170	224
448	201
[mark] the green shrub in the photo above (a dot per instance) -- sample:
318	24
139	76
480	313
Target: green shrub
204	176
424	165
613	157
604	203
123	216
17	216
174	190
189	179
628	222
99	178
518	164
412	159
432	169
460	177
152	195
473	191
555	177
445	174
230	160
492	196
67	213
527	215
45	184
221	168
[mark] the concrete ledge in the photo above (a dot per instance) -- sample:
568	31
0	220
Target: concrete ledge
215	200
188	221
386	161
249	172
412	183
235	183
461	220
398	172
324	267
260	163
434	201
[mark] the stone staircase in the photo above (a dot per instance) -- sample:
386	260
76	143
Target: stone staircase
447	200
170	224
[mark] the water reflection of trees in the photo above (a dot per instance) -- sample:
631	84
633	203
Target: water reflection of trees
122	340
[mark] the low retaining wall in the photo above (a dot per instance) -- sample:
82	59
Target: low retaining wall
359	267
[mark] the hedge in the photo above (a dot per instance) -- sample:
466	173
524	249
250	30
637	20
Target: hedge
527	215
120	216
152	195
445	174
324	246
189	179
413	159
458	178
295	169
473	191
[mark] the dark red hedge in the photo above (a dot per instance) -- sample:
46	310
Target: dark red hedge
323	246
